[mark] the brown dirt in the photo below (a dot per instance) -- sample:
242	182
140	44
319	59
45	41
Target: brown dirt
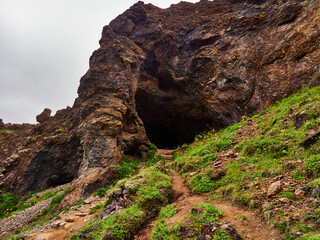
247	222
145	233
184	200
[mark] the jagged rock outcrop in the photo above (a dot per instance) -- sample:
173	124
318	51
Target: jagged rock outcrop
193	66
166	75
39	156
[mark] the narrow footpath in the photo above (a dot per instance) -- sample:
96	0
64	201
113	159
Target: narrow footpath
247	222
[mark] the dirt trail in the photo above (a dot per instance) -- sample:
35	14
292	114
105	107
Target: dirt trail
184	200
247	222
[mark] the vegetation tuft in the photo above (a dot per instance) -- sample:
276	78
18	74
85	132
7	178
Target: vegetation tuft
149	190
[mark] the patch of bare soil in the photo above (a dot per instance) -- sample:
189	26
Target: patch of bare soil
66	224
248	223
145	233
183	199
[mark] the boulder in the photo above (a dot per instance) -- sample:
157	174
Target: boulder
274	188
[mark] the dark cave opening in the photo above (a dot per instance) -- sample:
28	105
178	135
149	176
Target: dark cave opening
162	136
59	179
168	121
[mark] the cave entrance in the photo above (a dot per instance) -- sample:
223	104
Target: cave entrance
162	136
168	122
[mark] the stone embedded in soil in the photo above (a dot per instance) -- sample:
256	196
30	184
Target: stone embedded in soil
229	228
274	188
284	200
209	229
299	192
117	192
217	174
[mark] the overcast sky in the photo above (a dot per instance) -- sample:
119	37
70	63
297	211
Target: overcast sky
45	47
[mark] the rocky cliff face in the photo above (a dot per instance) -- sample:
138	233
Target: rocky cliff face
165	75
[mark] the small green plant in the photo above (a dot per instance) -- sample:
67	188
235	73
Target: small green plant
78	203
126	59
184	146
124	171
95	209
101	192
243	217
312	166
152	152
206	213
8	204
60	130
153	146
287	195
201	184
128	166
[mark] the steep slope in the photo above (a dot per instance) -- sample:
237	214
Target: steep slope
164	75
269	162
263	169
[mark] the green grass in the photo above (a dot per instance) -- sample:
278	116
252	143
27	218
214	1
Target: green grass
274	150
8	131
130	166
200	215
43	217
45	214
311	237
9	204
201	184
149	191
95	209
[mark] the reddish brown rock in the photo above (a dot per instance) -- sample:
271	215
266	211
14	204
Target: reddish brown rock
87	184
274	188
48	153
44	116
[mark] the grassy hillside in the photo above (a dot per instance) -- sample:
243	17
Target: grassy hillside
269	162
259	151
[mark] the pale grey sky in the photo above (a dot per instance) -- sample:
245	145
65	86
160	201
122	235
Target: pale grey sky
45	47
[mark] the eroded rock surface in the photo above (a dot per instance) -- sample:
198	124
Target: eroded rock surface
165	75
